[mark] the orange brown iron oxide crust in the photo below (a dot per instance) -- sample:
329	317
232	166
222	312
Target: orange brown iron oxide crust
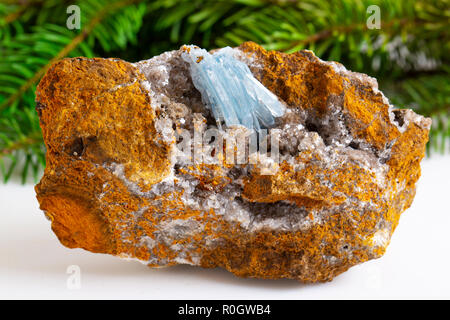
114	184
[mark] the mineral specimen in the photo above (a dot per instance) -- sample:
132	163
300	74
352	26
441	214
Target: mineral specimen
128	170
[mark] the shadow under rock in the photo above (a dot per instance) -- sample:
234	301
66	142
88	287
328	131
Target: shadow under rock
223	276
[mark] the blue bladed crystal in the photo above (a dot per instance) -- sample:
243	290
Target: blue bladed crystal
230	90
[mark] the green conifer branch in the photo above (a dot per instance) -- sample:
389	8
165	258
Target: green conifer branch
67	49
33	35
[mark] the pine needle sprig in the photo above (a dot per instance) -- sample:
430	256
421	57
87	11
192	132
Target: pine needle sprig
26	56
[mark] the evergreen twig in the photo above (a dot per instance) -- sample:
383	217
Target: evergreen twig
408	55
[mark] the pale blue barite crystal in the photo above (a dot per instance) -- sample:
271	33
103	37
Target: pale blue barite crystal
228	87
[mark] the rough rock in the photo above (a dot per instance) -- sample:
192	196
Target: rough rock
116	182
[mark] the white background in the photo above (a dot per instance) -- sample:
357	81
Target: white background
33	264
